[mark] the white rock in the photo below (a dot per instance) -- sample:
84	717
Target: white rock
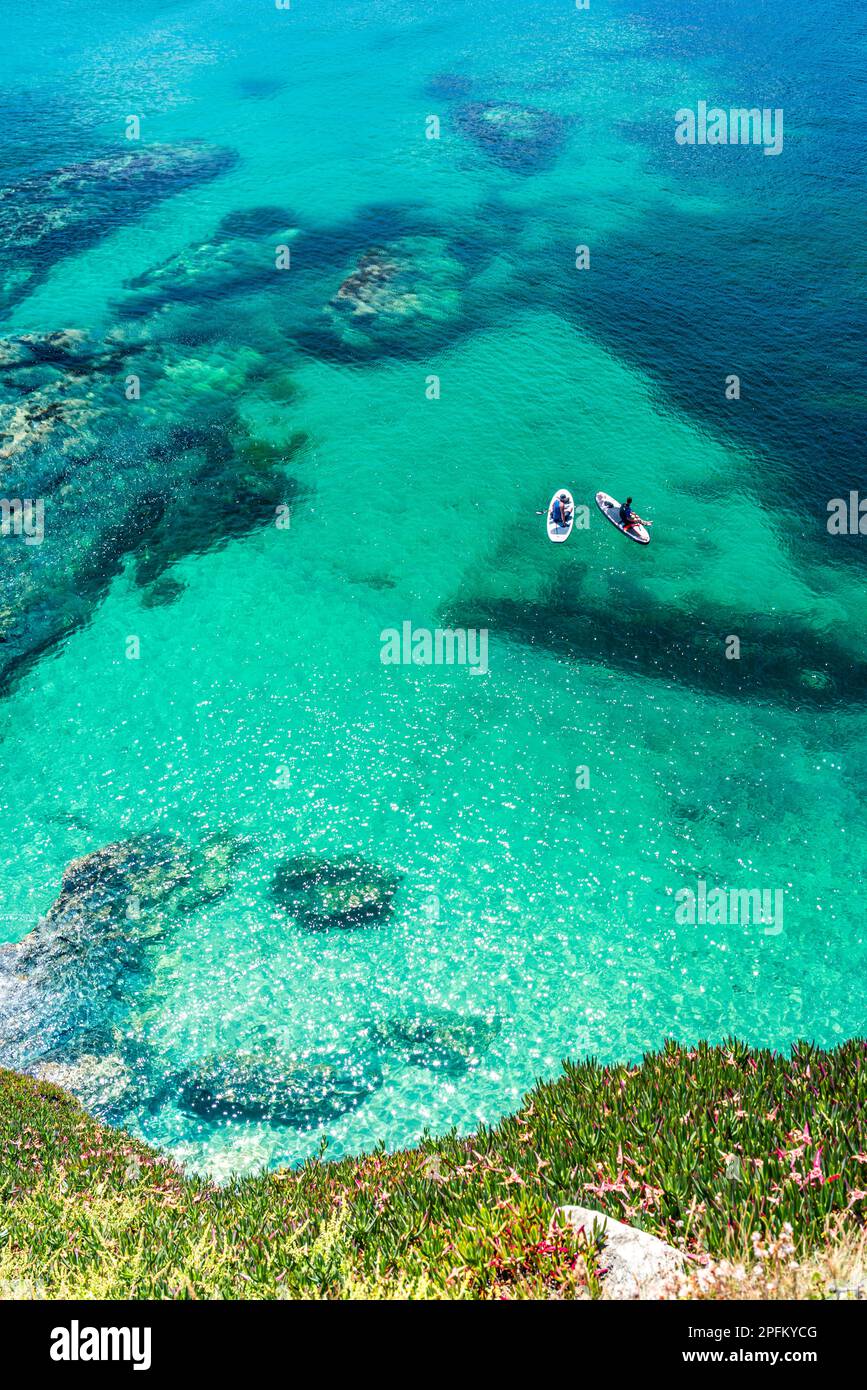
637	1265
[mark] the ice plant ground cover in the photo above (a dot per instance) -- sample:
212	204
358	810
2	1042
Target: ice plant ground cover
719	1150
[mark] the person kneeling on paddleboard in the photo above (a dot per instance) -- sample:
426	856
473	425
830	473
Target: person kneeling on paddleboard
561	512
627	515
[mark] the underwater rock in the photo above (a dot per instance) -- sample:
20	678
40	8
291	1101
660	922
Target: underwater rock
524	139
31	359
368	290
112	1074
656	641
101	898
212	870
378	582
60	212
102	1084
258	88
237	260
162	592
59	345
97	192
40	416
67	990
411	284
180	491
51	380
75	975
449	84
253	224
323	894
256	1086
816	680
214	506
440	1040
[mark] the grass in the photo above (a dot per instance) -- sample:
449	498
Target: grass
750	1157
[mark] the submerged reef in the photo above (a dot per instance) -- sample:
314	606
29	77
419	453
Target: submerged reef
114	479
278	1089
238	259
260	1086
260	88
322	894
222	500
523	139
134	443
438	1039
449	84
49	384
781	662
72	990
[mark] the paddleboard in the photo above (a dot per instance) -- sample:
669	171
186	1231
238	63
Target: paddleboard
555	532
608	507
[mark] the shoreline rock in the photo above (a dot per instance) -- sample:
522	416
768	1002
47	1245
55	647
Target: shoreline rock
636	1265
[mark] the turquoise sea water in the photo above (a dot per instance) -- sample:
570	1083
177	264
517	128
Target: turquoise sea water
258	708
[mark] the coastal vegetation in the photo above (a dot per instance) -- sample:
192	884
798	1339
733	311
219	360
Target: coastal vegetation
750	1162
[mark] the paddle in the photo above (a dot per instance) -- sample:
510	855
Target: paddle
638	520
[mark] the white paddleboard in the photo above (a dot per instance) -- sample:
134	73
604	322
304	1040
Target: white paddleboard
608	507
555	532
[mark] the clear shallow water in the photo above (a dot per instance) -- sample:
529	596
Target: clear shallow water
259	706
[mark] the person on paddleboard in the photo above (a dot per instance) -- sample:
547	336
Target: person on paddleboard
561	512
627	515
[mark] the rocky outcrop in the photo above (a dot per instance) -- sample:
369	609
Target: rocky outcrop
324	894
633	1263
